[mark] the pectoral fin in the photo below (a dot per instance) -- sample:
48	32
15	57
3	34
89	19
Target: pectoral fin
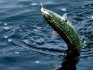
64	17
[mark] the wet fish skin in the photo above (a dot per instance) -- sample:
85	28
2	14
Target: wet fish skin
63	28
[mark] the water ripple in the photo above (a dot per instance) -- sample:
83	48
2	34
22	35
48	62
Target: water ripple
26	38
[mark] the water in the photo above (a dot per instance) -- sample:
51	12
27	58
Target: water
26	42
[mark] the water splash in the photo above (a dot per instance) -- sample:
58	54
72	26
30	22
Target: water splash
9	40
16	52
83	6
91	17
34	4
37	62
36	30
5	36
63	9
5	24
6	28
0	22
26	41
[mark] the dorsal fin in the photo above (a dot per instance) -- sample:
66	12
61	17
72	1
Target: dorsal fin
64	17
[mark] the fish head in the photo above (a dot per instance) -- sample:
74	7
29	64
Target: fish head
53	18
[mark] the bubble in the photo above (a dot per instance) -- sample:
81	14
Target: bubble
37	62
5	24
34	4
9	40
6	28
5	36
63	9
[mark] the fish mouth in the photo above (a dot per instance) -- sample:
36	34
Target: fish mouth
50	16
43	10
47	13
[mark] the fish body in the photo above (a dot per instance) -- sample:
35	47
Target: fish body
62	27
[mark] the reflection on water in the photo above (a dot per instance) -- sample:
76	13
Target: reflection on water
70	60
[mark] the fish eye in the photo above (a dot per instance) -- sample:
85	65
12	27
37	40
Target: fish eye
65	20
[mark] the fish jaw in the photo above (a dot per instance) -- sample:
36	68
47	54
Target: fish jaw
43	10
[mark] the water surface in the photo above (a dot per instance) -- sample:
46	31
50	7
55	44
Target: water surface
26	42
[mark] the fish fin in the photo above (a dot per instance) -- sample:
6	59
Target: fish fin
70	19
64	17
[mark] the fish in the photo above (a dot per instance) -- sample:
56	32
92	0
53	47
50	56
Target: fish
63	27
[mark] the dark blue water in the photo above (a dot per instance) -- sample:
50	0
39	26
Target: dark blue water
26	42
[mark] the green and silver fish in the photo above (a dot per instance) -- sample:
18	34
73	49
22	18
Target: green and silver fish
62	27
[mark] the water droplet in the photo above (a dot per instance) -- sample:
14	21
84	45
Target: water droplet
13	29
83	46
6	28
0	22
26	41
27	10
92	17
5	24
9	40
84	42
83	6
40	41
23	25
38	27
37	62
89	5
20	30
17	52
34	4
20	6
63	9
4	52
36	30
5	36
